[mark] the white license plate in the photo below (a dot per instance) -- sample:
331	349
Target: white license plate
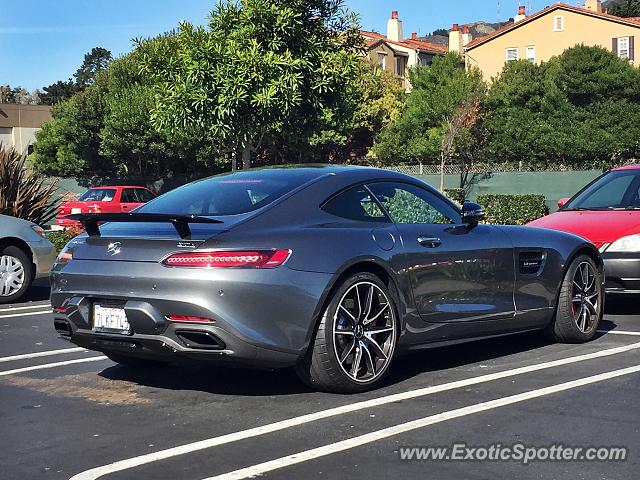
75	211
110	319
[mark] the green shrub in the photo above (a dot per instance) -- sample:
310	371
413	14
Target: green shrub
512	209
458	195
59	238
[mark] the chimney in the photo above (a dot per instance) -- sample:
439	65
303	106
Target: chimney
394	28
593	5
414	36
466	36
522	14
455	39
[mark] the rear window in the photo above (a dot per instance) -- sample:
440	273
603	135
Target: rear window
230	194
98	195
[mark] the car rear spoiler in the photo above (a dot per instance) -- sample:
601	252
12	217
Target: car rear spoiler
91	221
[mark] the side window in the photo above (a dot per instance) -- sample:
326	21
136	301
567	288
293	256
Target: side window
356	204
410	204
129	196
144	196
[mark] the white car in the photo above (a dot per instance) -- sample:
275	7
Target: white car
25	254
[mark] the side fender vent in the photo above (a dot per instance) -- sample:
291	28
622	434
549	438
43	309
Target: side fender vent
531	263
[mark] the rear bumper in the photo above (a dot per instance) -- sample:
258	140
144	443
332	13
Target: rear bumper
622	272
262	318
66	223
44	254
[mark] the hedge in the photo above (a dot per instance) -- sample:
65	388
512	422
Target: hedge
512	209
458	195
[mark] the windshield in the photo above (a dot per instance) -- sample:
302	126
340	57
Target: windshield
617	190
230	194
98	195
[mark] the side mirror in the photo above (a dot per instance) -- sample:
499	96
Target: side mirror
472	213
562	202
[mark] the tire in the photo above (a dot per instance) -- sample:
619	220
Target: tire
368	333
133	362
579	309
16	274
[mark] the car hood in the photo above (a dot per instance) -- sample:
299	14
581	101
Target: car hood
596	226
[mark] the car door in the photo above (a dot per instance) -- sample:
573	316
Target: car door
129	199
458	272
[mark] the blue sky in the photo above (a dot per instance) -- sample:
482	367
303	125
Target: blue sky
43	41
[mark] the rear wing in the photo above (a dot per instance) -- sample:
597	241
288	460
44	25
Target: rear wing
91	221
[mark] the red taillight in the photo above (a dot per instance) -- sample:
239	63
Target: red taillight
60	310
65	256
226	259
182	318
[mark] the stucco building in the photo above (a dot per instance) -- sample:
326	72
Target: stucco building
19	124
396	54
549	32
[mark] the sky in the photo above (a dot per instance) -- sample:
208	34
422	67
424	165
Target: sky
43	41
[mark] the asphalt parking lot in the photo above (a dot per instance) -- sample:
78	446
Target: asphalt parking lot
75	414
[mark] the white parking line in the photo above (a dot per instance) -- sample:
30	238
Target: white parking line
51	365
47	353
350	443
31	307
26	314
620	332
132	462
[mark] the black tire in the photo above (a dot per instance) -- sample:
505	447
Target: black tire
134	362
321	368
571	324
19	255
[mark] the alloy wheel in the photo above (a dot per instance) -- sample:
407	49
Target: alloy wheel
11	275
585	297
364	329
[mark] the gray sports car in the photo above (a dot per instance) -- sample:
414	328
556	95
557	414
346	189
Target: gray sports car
333	270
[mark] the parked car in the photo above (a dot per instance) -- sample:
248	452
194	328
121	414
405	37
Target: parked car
111	199
25	254
607	212
333	270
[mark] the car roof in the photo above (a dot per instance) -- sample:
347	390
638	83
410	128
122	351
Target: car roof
634	166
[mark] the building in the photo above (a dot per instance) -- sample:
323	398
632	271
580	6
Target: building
548	33
19	124
396	54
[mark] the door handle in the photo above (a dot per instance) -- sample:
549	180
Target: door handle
429	242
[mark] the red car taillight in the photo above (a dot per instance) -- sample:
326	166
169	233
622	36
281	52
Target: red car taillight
226	259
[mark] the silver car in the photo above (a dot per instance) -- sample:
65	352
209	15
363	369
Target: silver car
25	254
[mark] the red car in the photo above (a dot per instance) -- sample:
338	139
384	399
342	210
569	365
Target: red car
121	198
607	212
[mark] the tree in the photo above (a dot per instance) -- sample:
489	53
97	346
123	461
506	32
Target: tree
345	134
625	8
56	92
95	61
19	95
439	92
105	130
262	68
581	109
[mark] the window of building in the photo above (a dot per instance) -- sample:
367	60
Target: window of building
400	63
623	47
382	60
511	54
558	23
531	54
5	130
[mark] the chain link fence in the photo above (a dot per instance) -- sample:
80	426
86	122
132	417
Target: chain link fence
455	169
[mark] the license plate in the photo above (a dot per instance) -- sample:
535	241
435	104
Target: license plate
110	319
75	211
